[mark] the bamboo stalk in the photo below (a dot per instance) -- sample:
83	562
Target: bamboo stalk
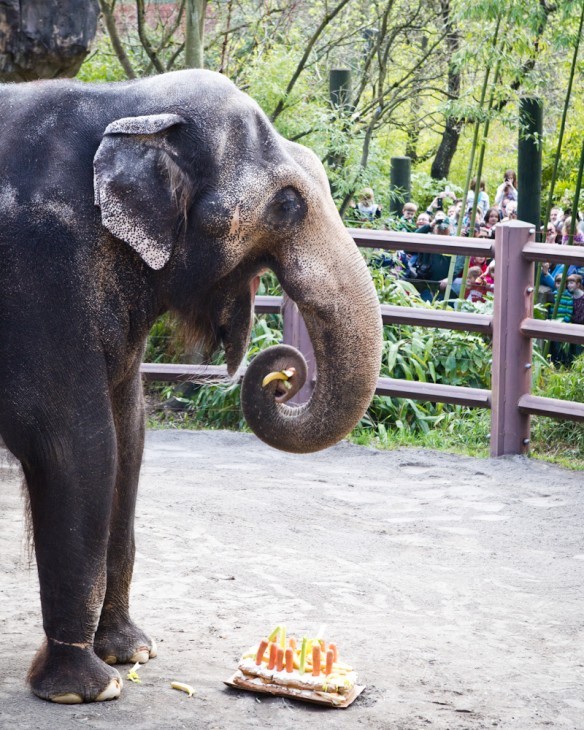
475	203
563	122
470	168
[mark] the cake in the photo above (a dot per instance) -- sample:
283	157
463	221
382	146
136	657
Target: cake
306	669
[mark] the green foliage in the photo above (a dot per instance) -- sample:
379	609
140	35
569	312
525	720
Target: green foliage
424	355
102	64
426	188
563	438
163	344
400	89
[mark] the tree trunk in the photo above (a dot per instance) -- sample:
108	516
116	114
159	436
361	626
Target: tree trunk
448	144
453	127
44	40
195	33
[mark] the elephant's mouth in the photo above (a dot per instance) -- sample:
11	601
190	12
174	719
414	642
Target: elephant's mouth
239	316
230	315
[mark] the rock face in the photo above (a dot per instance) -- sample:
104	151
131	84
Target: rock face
44	40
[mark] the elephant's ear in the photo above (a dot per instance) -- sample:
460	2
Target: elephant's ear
140	189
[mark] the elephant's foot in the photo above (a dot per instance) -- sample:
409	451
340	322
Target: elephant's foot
70	674
122	642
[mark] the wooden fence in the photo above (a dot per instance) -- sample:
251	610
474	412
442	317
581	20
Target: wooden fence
512	328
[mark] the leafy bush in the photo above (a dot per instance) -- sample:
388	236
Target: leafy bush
553	437
424	355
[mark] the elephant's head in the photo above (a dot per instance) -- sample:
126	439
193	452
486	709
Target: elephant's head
209	196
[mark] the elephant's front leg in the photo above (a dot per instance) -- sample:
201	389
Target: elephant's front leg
70	474
118	640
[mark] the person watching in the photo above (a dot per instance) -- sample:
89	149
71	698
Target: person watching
487	228
367	208
507	189
423	223
510	211
406	222
483	199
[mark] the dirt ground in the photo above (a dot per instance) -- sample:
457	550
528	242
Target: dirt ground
453	585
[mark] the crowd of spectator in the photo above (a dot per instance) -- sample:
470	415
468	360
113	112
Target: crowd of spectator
448	215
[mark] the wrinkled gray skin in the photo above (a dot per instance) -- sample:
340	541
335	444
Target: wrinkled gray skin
117	203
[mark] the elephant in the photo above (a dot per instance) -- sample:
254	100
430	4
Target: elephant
119	202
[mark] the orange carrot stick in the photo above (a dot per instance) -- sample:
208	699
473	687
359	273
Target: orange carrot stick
329	662
292	642
273	655
335	652
289	660
261	651
279	659
316	660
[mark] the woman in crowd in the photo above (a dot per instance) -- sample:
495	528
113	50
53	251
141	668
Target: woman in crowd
507	189
483	198
566	228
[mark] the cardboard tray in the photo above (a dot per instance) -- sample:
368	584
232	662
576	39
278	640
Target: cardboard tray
323	699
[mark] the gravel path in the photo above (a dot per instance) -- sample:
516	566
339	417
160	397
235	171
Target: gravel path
453	584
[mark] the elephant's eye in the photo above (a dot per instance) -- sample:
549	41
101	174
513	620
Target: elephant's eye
287	206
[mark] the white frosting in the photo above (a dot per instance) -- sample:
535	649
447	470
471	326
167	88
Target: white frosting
332	682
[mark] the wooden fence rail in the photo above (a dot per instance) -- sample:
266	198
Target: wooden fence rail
512	327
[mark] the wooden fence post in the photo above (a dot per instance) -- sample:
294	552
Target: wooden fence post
511	371
296	335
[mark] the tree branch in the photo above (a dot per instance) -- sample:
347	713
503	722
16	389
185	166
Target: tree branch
110	24
152	54
302	63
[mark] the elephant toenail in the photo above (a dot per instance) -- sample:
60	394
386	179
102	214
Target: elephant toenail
111	659
141	655
111	691
69	698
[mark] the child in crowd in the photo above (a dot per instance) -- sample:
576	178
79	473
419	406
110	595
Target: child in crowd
570	309
367	207
487	280
510	211
574	285
479	261
475	291
487	229
407	222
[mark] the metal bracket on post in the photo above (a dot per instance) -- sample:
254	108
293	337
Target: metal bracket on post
296	335
511	374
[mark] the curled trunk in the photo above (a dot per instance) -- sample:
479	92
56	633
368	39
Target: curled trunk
346	334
